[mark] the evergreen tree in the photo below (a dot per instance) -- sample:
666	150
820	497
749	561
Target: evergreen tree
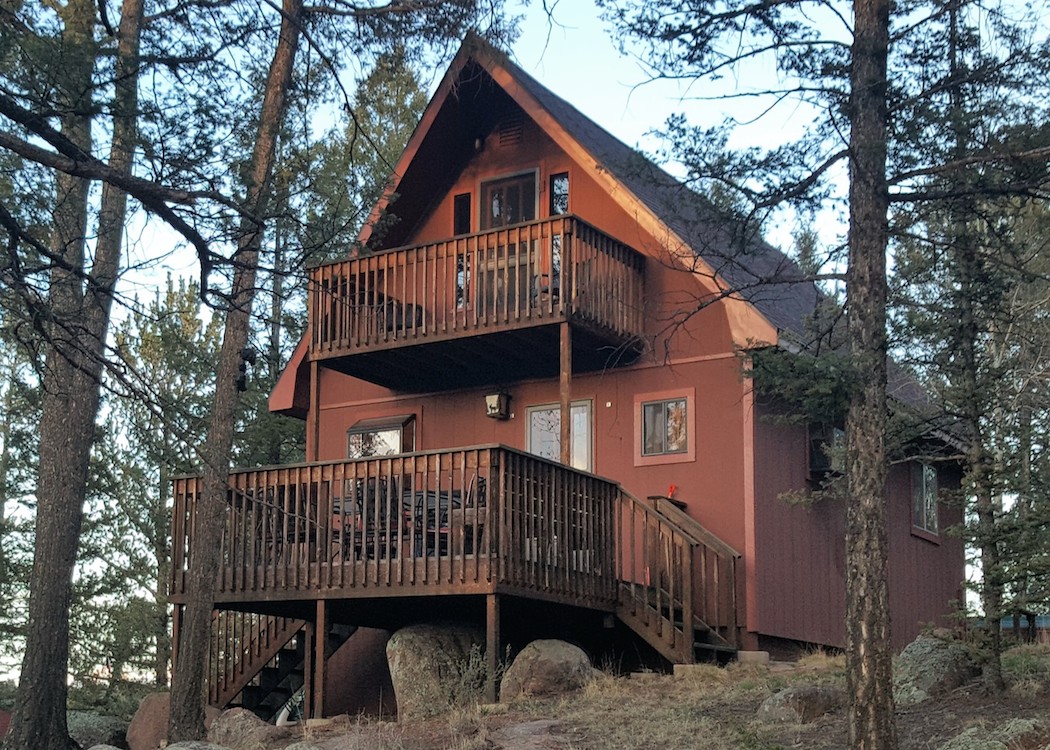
837	64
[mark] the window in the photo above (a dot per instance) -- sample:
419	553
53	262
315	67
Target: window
924	498
559	194
665	427
544	436
461	214
509	200
383	436
827	450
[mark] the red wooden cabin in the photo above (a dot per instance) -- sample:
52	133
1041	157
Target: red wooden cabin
499	397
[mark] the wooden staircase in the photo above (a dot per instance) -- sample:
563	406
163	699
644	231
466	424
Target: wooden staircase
679	583
259	661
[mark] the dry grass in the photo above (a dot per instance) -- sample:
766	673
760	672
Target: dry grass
705	707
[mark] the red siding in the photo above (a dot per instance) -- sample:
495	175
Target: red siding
801	551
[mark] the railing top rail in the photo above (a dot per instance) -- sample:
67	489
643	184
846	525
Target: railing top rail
697	535
401	456
473	235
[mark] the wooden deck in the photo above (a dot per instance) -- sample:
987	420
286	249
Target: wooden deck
471	521
474	303
384	542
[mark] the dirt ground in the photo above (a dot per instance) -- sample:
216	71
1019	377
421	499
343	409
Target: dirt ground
708	708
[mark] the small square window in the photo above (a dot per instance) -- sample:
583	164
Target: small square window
664	427
924	498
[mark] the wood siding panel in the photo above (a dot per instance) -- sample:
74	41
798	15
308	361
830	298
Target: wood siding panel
800	551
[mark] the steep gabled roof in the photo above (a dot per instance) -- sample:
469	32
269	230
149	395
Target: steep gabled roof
477	87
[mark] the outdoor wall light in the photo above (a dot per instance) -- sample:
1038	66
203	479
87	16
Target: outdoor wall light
497	405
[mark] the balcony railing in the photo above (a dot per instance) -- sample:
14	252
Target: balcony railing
526	275
461	521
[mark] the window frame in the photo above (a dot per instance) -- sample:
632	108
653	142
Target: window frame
403	424
641	400
486	184
588	405
922	474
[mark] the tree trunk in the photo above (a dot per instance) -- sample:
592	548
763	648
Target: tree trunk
869	666
71	380
188	683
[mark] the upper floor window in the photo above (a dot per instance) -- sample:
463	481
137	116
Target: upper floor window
559	194
382	436
509	200
665	430
461	214
924	498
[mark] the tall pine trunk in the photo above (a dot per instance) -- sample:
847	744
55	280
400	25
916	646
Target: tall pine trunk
188	684
868	646
79	304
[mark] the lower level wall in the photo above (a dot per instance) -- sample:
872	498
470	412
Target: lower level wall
359	678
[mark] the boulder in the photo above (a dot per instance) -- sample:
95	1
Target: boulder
103	747
196	745
929	667
435	667
240	729
149	726
89	728
801	704
1015	733
547	667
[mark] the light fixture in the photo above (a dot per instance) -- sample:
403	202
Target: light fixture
497	405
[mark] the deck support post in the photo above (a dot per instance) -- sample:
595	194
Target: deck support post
310	633
313	433
176	633
320	661
492	646
565	393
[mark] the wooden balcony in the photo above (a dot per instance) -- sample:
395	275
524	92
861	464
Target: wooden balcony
481	308
471	521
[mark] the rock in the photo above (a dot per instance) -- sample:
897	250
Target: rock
304	745
240	729
1015	733
801	704
149	726
435	667
929	667
547	667
103	747
196	745
533	735
89	728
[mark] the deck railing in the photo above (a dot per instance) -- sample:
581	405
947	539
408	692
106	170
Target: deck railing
677	576
434	522
528	274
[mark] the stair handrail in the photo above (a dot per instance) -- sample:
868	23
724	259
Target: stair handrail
231	674
694	607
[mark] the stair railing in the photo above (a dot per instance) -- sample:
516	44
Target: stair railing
242	643
678	578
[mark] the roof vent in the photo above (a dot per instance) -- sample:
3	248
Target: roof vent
511	130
